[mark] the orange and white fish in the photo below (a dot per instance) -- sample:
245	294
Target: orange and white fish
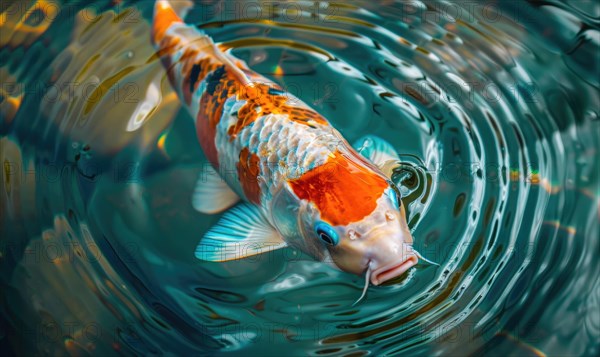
302	183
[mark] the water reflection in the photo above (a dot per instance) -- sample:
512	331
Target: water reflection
493	110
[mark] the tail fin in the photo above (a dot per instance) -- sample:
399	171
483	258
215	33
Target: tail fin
166	15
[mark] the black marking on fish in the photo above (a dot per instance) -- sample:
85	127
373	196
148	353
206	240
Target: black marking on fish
213	79
194	73
276	91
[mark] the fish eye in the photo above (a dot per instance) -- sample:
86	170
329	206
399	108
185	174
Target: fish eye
394	195
326	233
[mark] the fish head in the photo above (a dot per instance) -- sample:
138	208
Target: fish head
350	215
381	241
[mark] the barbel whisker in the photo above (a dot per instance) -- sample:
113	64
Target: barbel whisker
423	258
367	278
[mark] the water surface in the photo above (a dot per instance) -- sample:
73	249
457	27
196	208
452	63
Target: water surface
493	107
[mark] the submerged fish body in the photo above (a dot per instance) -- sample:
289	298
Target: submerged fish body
302	183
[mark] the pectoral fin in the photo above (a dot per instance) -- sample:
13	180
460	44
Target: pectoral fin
379	152
212	194
240	233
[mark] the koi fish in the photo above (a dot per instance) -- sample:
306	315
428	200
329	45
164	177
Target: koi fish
303	185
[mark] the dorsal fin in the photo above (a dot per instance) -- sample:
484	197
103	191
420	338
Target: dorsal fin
381	153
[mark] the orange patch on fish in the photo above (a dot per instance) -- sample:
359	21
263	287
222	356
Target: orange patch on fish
248	171
163	18
343	190
264	99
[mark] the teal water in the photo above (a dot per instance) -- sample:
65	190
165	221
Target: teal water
493	107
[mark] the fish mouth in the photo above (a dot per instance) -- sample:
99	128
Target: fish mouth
390	271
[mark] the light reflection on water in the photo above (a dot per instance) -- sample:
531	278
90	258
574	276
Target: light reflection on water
493	108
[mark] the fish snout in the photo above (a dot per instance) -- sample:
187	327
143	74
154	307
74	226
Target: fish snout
391	255
393	269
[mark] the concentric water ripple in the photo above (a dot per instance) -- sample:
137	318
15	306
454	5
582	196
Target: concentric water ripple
493	108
